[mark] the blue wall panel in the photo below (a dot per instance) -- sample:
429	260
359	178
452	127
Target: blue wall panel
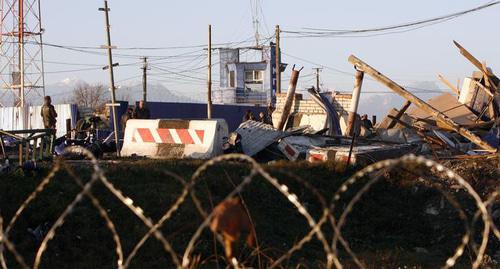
233	114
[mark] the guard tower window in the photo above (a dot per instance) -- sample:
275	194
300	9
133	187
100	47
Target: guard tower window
254	76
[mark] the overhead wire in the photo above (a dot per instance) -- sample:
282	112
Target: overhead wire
408	26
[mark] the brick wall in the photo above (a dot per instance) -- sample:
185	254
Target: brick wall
342	102
309	106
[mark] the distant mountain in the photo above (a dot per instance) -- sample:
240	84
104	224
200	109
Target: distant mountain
61	92
156	93
380	104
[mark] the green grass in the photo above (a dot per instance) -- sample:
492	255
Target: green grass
385	228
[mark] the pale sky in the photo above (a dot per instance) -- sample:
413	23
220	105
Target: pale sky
414	57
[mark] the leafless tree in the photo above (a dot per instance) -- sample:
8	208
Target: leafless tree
92	96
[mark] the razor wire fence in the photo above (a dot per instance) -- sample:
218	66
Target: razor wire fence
325	227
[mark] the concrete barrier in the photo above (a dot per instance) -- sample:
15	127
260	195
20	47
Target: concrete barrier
197	139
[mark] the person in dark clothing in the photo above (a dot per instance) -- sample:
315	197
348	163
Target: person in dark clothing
264	118
48	114
366	122
141	111
125	117
248	116
269	115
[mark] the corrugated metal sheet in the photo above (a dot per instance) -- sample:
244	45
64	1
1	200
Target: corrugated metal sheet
11	118
256	136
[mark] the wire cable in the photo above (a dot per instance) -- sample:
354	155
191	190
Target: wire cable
409	26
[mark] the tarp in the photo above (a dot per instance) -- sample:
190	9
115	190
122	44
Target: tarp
12	118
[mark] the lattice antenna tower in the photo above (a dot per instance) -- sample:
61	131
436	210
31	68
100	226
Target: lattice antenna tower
254	6
21	48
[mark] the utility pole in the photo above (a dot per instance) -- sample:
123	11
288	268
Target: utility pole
317	69
209	82
144	79
111	74
278	64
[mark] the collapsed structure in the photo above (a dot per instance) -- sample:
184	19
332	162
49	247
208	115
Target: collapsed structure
462	124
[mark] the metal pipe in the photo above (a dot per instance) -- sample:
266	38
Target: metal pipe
353	108
21	55
41	47
290	96
351	149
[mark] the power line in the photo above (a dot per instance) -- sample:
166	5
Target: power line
68	63
148	48
324	66
177	73
404	27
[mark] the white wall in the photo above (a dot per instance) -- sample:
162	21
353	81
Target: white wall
12	118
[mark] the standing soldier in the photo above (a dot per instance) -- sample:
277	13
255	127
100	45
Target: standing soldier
141	112
269	115
48	114
125	117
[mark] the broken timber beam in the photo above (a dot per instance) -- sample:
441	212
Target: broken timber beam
396	118
438	115
447	83
477	63
419	132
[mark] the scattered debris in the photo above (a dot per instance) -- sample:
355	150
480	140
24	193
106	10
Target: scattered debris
256	136
232	221
322	129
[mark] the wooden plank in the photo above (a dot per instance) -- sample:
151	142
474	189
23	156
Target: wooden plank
476	63
419	132
396	118
447	83
482	87
438	115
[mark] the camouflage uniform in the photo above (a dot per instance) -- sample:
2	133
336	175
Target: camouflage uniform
49	116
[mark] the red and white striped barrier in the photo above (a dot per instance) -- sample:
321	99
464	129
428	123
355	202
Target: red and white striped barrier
199	139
